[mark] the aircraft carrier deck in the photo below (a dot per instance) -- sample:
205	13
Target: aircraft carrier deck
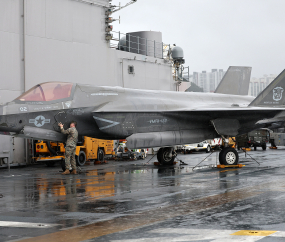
134	201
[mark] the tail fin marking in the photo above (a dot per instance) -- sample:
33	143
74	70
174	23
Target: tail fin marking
273	94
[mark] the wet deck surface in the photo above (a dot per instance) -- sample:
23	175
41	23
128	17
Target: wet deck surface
133	201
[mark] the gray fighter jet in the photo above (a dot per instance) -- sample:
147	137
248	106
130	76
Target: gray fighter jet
145	118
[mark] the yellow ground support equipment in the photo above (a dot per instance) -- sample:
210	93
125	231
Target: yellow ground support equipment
90	149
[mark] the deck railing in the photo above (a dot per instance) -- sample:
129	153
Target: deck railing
138	45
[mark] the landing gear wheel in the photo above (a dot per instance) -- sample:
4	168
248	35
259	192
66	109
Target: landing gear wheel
228	156
208	149
159	152
50	163
165	156
100	155
80	159
133	157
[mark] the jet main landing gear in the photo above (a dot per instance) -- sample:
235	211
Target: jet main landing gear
228	156
166	156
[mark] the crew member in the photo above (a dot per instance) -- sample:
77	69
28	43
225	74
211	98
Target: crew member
72	137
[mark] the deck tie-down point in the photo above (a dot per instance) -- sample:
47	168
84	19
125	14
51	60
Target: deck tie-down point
245	153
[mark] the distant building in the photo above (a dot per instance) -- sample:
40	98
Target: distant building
208	80
257	85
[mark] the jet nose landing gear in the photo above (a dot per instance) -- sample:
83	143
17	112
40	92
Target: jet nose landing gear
228	156
166	156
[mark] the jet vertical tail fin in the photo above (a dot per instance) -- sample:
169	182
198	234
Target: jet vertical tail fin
273	94
235	81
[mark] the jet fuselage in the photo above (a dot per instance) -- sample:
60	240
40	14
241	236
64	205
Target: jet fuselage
117	113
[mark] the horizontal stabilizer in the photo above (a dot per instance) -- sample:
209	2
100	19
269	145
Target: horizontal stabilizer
273	94
235	81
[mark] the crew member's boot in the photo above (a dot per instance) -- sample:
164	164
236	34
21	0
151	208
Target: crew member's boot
66	172
73	172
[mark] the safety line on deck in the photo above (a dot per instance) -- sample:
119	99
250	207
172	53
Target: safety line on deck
26	224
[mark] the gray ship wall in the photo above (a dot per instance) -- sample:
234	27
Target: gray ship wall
64	40
11	72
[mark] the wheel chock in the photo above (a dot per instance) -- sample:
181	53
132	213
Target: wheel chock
156	163
275	148
246	149
227	166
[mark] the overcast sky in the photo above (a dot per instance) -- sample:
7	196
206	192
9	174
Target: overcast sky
215	33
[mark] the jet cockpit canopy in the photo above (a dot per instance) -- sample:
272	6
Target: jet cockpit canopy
49	91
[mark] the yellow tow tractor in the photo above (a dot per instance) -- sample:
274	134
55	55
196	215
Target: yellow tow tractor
87	149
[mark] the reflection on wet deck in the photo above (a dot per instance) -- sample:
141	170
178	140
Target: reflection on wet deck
121	195
96	185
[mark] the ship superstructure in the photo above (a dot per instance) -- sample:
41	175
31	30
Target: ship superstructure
73	41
